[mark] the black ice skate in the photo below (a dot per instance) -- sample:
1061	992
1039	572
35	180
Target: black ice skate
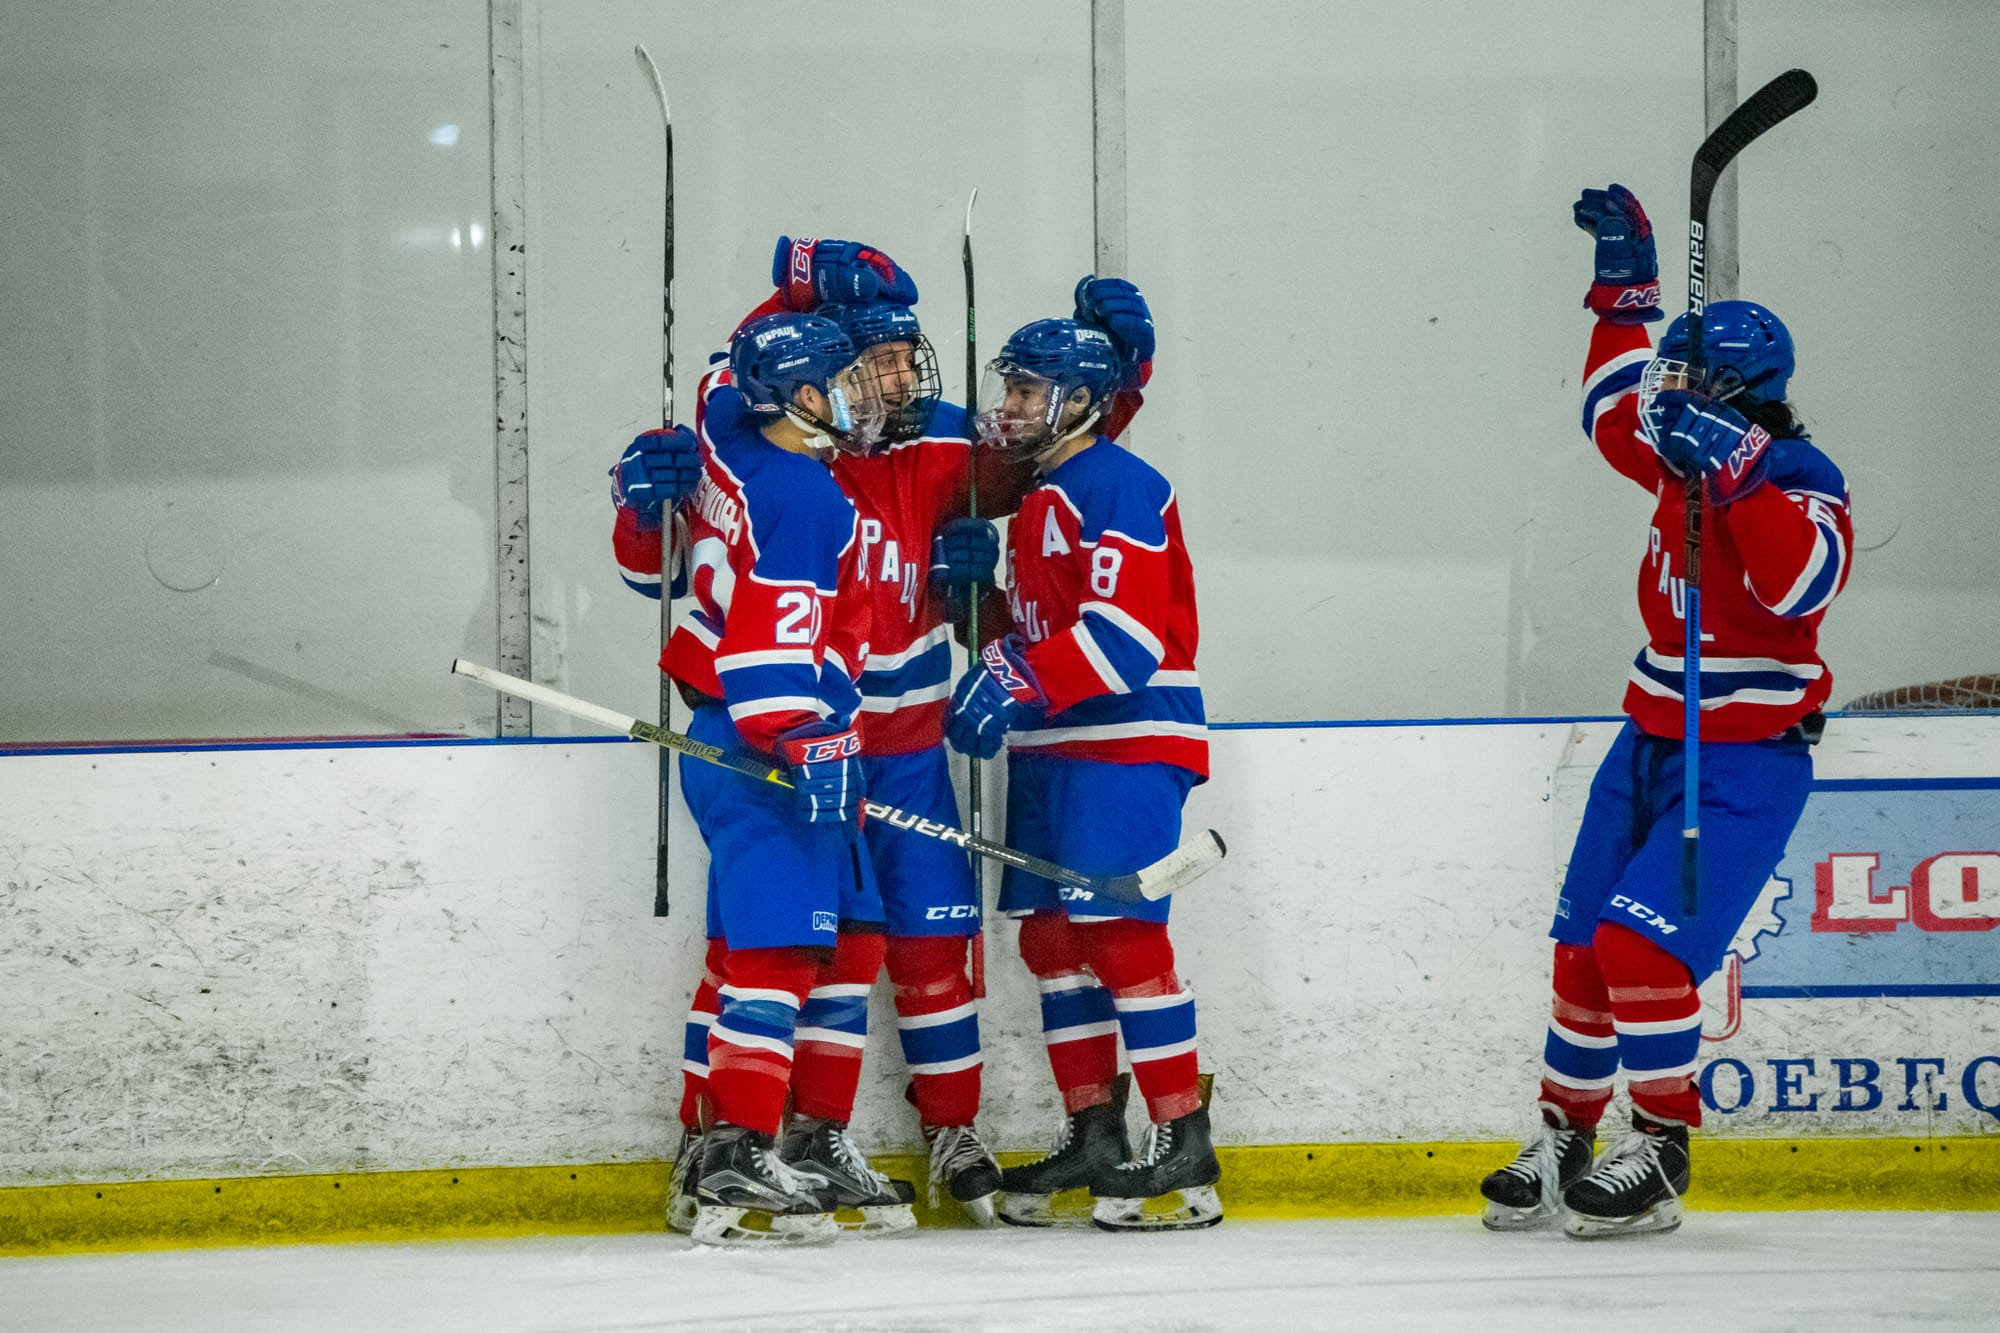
1171	1187
865	1201
747	1196
1635	1188
963	1167
1527	1193
1090	1145
681	1203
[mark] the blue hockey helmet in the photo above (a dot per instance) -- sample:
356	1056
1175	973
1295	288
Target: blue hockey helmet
772	357
1747	350
1049	384
899	370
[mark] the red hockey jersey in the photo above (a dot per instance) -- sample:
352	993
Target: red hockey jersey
1100	586
1771	564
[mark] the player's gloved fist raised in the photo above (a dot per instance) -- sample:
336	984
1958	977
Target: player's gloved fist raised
809	273
661	468
1700	434
1115	305
964	552
1627	289
827	786
991	697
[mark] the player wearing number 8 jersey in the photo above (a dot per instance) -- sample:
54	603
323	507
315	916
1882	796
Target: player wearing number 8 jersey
1095	695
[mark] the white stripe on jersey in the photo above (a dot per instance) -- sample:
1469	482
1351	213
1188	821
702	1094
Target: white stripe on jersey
1803	670
890	661
1087	644
878	703
1125	621
765	657
1110	731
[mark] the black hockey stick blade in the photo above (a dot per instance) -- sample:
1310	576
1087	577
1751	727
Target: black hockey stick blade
1789	93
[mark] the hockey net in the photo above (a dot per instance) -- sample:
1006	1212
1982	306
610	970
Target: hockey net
1964	693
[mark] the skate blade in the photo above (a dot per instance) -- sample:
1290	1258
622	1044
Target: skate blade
1500	1217
714	1225
1660	1218
884	1219
1070	1208
981	1211
1182	1210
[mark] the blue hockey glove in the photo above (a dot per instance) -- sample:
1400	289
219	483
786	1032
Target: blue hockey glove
825	760
1115	305
1714	438
991	697
1627	289
809	273
964	553
660	469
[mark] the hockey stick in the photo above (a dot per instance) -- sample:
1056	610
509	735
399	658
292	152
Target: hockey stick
974	792
1182	866
1790	92
660	855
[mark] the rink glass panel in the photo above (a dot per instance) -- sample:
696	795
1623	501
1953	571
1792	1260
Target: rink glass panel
247	482
248	477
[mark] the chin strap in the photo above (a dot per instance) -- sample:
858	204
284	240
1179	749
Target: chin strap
1048	451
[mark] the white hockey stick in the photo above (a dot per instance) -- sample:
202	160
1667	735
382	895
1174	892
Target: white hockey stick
1182	866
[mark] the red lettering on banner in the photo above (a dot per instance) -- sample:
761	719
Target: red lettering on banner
1956	891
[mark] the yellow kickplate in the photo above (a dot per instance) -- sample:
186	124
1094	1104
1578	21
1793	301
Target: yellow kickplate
1290	1181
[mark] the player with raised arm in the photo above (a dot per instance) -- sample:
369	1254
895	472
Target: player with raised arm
1094	693
766	658
1627	957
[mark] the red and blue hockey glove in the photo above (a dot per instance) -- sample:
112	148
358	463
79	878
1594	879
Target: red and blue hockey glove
1115	305
809	273
660	469
827	786
964	553
1627	289
1714	438
991	697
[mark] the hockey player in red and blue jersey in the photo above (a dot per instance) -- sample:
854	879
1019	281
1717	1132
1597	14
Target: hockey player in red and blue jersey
905	486
767	658
1095	695
1778	540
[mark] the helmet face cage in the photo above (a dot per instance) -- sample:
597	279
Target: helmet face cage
1020	410
856	416
1660	375
899	380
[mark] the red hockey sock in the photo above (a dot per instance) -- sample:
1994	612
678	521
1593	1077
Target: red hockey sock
1580	1060
833	1029
1135	960
938	1024
1658	1018
701	1017
750	1046
1078	1021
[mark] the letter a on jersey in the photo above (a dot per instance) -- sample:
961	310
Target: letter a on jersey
1052	538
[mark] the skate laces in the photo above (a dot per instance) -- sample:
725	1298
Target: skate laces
1159	1146
1541	1160
1631	1160
850	1156
951	1147
784	1175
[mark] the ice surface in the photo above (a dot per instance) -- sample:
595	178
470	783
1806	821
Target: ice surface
1726	1272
